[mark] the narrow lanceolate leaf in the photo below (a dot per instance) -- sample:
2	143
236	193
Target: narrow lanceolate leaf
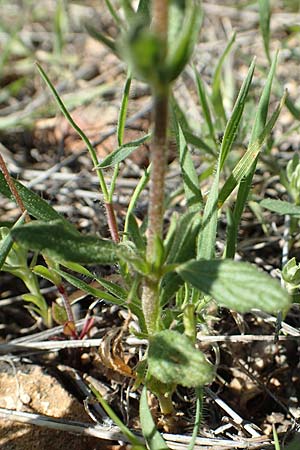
88	288
245	164
153	438
123	152
188	172
216	96
206	243
237	285
61	243
180	245
172	358
236	116
245	180
35	205
264	22
6	242
123	110
281	207
205	107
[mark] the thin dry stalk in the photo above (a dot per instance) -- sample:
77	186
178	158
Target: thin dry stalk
13	188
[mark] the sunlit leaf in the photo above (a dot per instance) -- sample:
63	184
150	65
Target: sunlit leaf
281	207
173	359
61	243
237	285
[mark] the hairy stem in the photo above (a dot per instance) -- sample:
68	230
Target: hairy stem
150	295
112	222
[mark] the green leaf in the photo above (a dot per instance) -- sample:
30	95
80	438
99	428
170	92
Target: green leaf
281	207
135	234
113	13
236	116
264	22
135	196
83	286
188	172
245	164
134	440
153	438
173	359
144	12
35	205
180	246
59	314
237	285
293	109
205	107
260	133
123	110
216	96
49	275
78	130
6	242
143	50
206	243
61	243
185	23
123	152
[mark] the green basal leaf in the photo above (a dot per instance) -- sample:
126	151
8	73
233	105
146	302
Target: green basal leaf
122	152
35	205
237	285
152	437
281	207
173	359
61	243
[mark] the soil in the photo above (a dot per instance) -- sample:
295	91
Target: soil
29	388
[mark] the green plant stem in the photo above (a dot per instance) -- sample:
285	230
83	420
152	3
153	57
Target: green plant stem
112	223
166	405
150	297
